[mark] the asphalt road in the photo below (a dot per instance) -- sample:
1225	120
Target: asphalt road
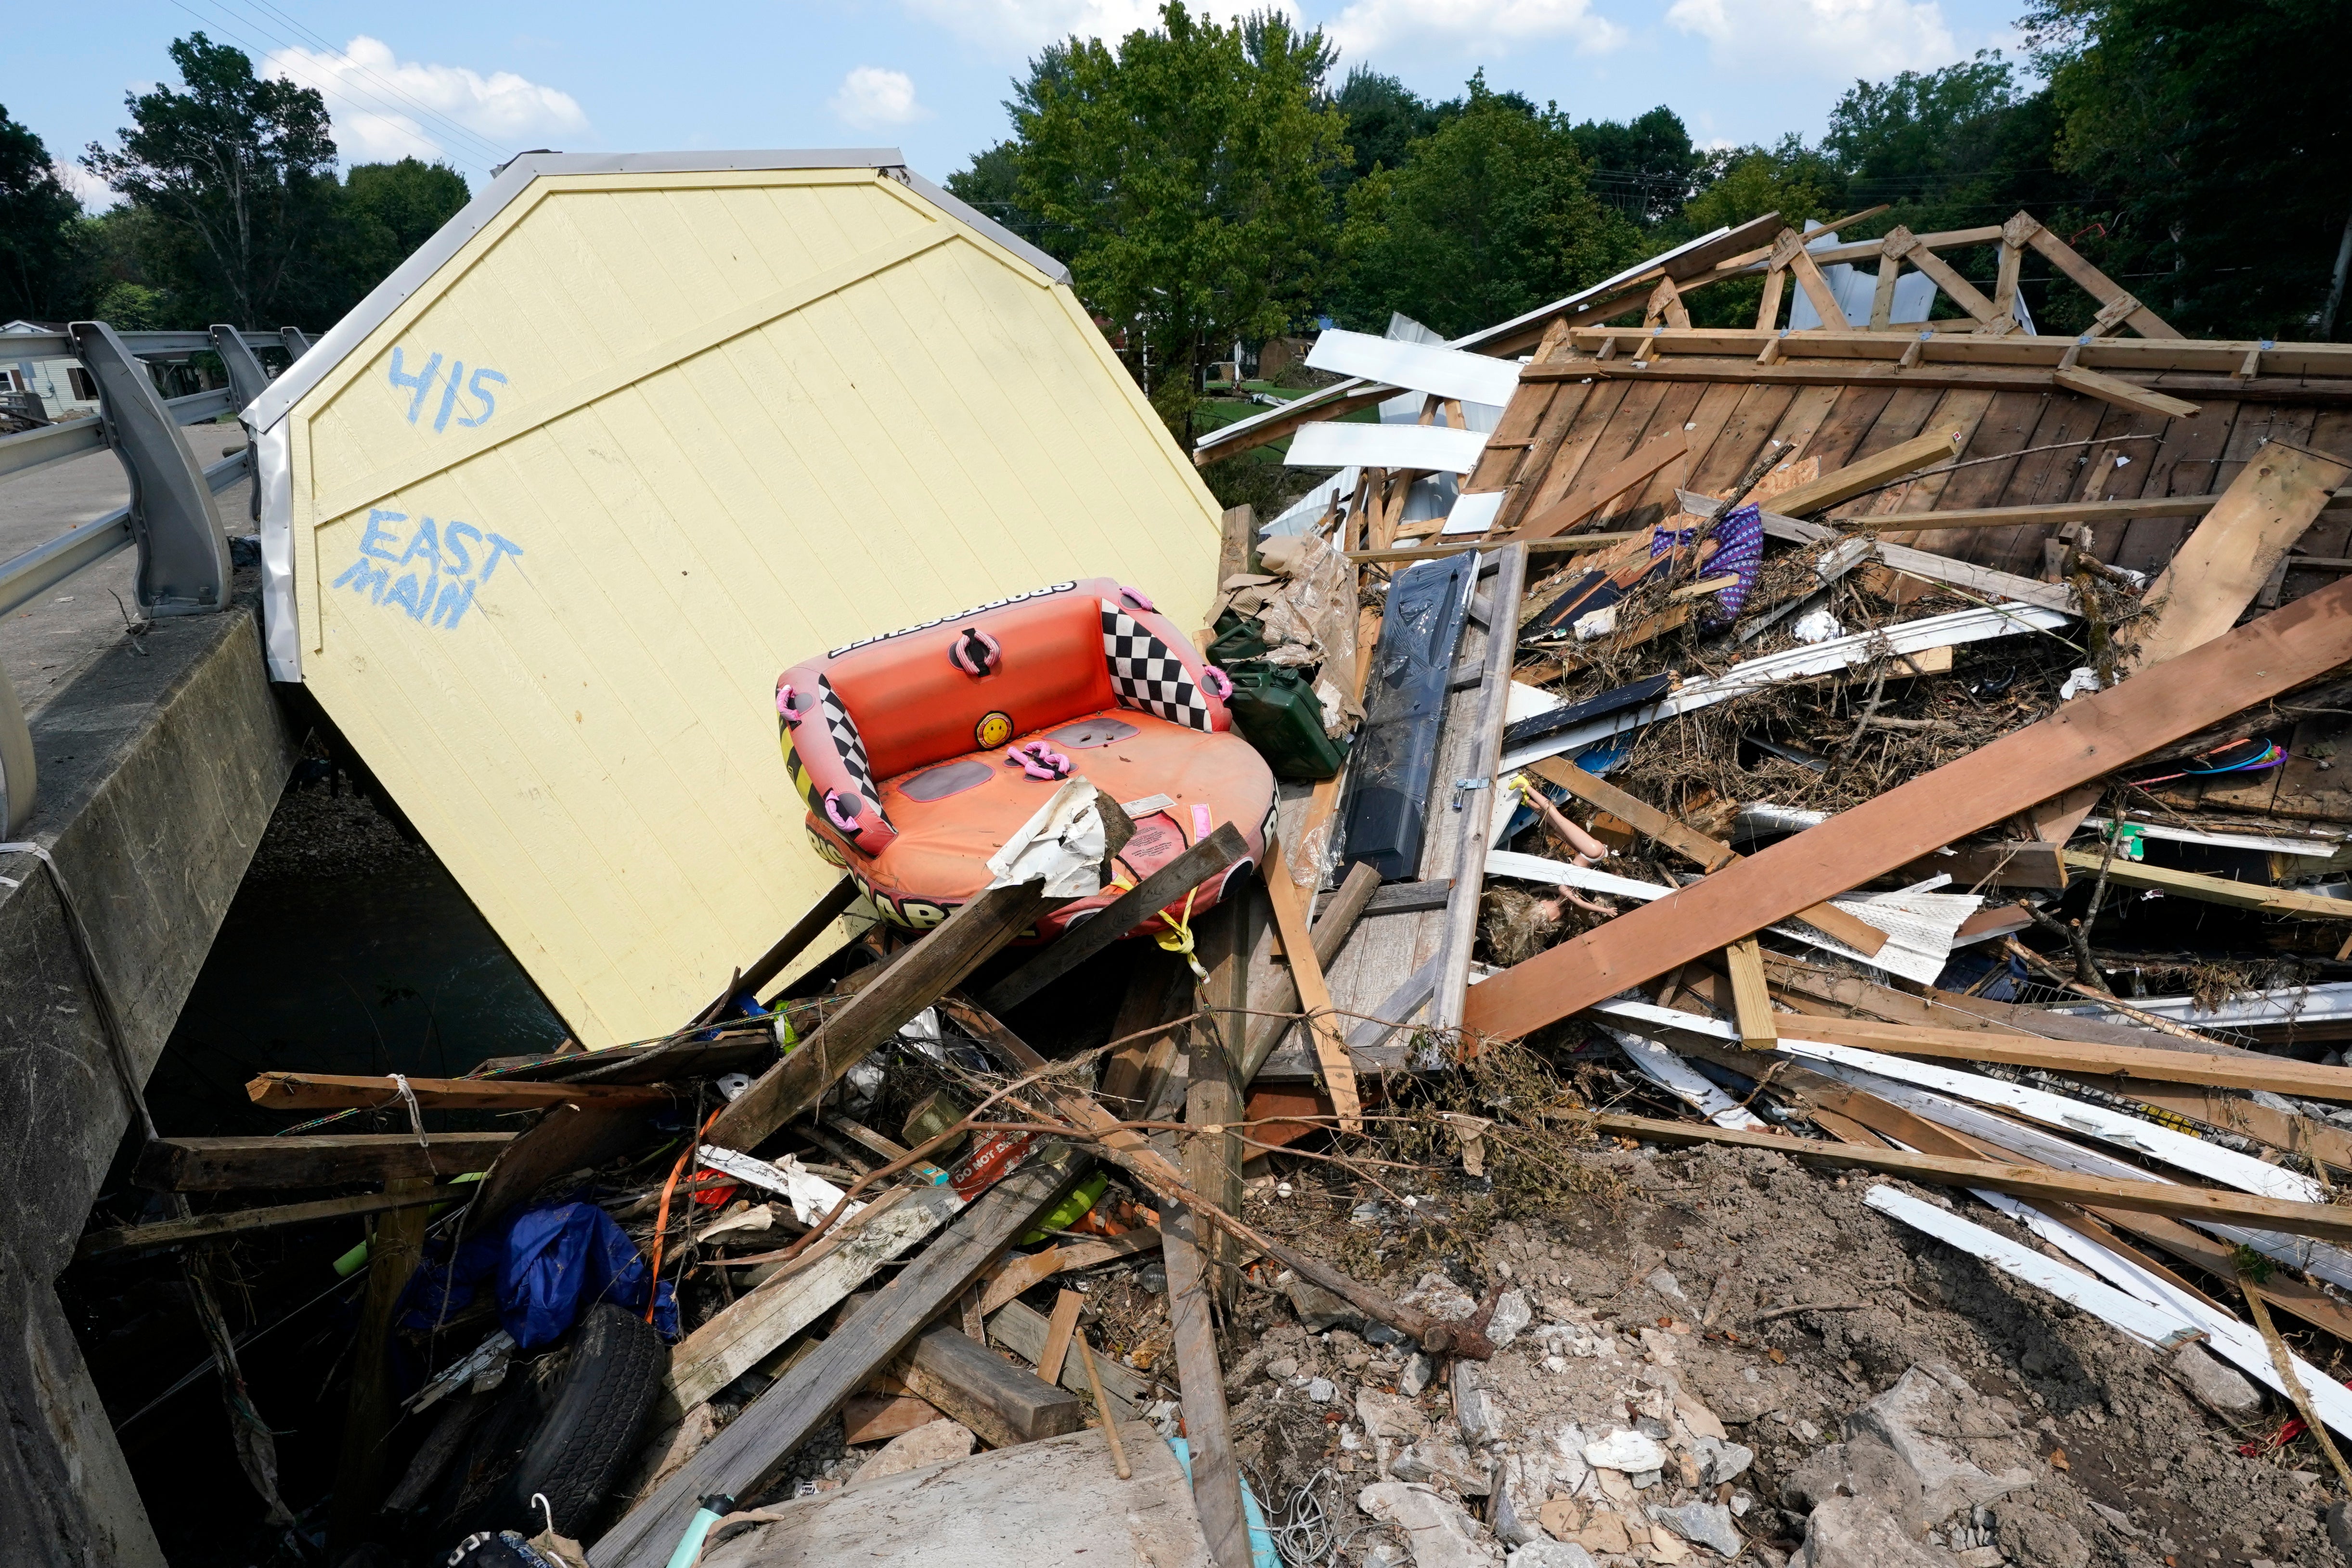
45	644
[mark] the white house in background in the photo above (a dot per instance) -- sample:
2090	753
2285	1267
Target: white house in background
66	388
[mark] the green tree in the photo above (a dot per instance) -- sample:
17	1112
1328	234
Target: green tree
992	185
1181	175
236	170
2225	179
1384	118
382	213
1646	167
37	213
1490	217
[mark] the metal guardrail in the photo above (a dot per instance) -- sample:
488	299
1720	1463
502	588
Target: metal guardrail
172	520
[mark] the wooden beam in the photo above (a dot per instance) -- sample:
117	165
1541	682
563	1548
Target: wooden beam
1751	1002
2326	1221
1931	372
2287	1131
1817	289
2215	573
2221	362
243	1221
1059	1327
223	1164
1574	544
2098	284
394	1240
914	979
1595	493
2085	738
1166	886
1694	846
1867	474
769	1429
1473	828
1004	1404
1323	1026
2093	512
1017	1275
1216	1469
1902	242
1213	1151
2248	1070
2123	393
340	1091
2256	895
812	924
1020	1329
1273	990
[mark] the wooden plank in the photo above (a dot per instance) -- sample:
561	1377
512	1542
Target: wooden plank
568	1138
2287	1131
1751	1002
1016	1275
2217	572
795	941
1611	483
2219	1070
2326	1221
769	1429
394	1240
2098	284
2085	738
2252	896
221	1164
756	1323
244	1221
1868	473
1213	1088
1273	989
914	979
1933	372
1166	886
1004	1404
1474	809
1059	1327
2123	393
1934	567
1020	1329
1216	1469
878	1418
1694	846
1324	1027
1577	544
342	1092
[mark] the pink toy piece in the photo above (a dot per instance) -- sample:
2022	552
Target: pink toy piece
846	821
975	652
1039	760
1220	685
784	706
1137	596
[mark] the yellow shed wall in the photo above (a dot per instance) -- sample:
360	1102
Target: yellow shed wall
746	417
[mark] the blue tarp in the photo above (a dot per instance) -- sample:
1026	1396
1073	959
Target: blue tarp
547	1265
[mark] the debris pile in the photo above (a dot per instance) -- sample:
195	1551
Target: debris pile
1790	1011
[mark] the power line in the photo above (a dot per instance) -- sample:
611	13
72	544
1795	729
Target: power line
499	153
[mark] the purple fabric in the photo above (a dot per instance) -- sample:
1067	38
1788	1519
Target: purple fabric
1739	548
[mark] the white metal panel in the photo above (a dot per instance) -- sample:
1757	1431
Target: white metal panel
1446	372
1336	444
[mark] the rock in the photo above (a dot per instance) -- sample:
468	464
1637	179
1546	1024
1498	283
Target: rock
928	1443
1281	1368
1440	1298
1387	1415
1512	1315
2220	1389
1475	1410
1666	1287
1856	1532
1703	1524
1322	1390
1561	1518
1700	1421
1416	1375
1818	1477
1604	1534
1719	1462
1318	1309
1922	1448
1516	1503
2027	1534
1442	1535
2339	1526
1628	1451
1550	1554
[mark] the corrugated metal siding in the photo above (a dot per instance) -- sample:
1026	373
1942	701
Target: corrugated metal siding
591	748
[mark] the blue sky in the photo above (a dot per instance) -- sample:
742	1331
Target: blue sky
473	84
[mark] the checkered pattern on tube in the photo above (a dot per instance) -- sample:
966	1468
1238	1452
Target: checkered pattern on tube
847	742
1147	674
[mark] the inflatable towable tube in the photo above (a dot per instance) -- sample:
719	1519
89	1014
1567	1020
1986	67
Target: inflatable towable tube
920	751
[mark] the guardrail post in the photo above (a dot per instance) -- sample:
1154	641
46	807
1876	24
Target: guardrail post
184	565
247	379
19	779
296	344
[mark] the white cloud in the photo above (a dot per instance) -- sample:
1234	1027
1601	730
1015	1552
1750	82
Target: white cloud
1845	38
380	104
1470	27
88	188
1023	27
871	97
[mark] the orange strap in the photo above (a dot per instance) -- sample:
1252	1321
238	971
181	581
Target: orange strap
661	1216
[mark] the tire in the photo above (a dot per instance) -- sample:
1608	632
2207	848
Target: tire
570	1436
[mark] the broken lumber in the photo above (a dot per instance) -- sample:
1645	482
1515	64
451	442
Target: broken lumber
2220	568
1866	473
2082	740
1216	1470
344	1092
1139	904
224	1165
913	980
1273	991
1020	1329
2124	394
1323	1026
812	924
771	1426
2326	1221
2259	896
569	1137
1018	1274
1694	846
1002	1404
240	1222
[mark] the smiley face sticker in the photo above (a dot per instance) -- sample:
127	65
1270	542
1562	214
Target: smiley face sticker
992	730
